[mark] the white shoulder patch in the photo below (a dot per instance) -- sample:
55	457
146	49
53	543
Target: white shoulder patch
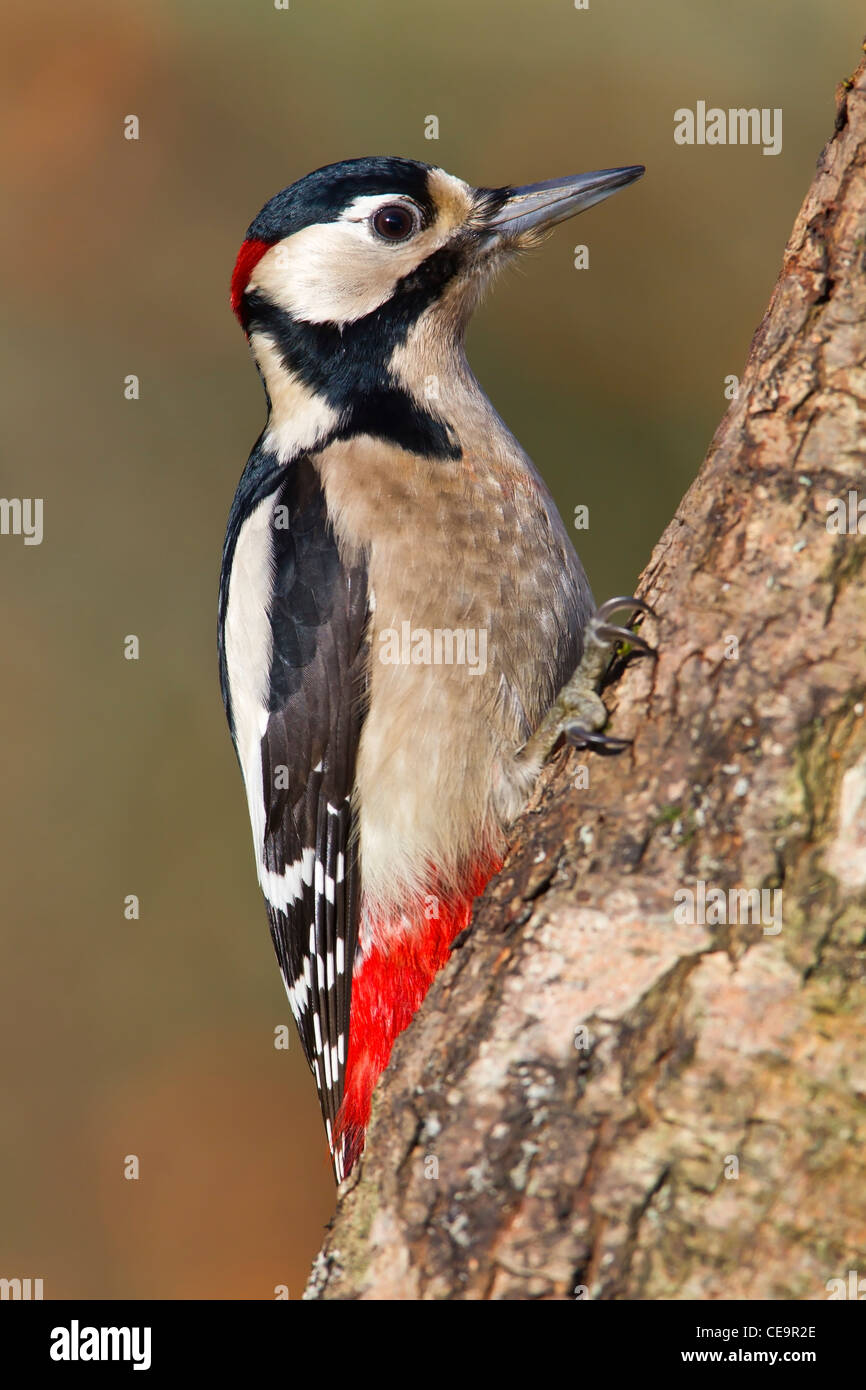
248	644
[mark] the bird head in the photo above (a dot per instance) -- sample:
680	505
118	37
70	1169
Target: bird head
358	280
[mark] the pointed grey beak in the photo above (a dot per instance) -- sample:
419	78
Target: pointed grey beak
538	205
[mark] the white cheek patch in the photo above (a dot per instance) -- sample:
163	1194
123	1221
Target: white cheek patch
334	272
338	272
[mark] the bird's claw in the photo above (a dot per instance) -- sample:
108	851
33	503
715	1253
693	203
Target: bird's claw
605	633
579	737
578	713
612	635
620	603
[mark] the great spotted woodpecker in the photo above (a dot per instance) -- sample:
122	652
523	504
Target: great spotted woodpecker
402	615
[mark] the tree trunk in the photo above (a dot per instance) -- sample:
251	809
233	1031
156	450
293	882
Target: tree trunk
600	1097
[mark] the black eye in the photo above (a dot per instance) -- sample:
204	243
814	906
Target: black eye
393	223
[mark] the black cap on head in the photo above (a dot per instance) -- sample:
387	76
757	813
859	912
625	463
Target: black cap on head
323	195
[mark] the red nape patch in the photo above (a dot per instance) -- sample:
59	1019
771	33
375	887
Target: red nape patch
250	254
386	994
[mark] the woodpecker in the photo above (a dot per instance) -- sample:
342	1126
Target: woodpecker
405	629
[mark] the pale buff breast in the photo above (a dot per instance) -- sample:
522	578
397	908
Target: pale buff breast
471	546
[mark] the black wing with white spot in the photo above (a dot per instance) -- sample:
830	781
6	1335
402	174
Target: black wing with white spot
318	618
315	702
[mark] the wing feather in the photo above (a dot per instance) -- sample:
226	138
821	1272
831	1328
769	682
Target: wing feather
315	690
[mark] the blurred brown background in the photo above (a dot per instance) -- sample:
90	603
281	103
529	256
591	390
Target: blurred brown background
155	1037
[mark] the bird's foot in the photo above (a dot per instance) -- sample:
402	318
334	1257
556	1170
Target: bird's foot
578	712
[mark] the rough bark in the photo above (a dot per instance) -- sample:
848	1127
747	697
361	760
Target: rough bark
601	1163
